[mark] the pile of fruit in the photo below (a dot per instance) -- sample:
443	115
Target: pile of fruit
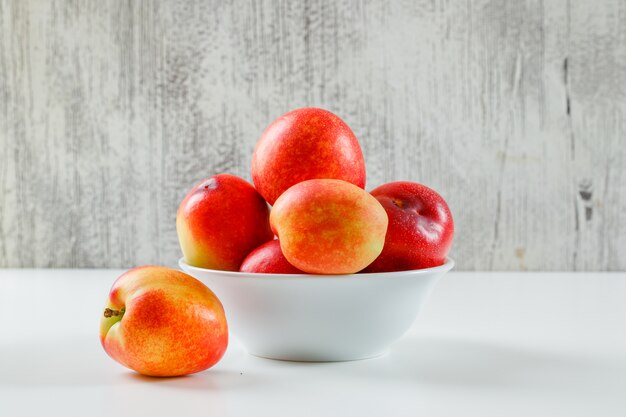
309	166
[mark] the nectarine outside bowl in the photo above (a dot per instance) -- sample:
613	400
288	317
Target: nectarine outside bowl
320	317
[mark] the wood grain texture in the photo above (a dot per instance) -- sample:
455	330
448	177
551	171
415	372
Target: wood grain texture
514	110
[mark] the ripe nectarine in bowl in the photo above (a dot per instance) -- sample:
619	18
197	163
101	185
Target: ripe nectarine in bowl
303	317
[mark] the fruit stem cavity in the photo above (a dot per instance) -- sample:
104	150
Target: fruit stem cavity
111	313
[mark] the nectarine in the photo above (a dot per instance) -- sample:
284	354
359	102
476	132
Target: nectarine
420	227
162	322
328	226
268	259
220	221
305	144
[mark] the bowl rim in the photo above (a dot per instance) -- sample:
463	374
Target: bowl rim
445	267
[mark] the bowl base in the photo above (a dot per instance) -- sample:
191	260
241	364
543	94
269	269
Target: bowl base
318	358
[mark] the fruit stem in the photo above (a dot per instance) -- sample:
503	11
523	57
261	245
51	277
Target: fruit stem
110	312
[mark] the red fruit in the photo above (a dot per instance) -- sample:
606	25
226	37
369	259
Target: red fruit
305	144
220	221
420	228
268	259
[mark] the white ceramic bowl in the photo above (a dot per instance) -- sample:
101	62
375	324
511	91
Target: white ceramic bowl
320	317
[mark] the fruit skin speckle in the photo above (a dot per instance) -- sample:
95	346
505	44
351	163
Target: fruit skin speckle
306	143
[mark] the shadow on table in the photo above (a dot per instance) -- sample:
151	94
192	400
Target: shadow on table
474	363
425	360
212	380
83	363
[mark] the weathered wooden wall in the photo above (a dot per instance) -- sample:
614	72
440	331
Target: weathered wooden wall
514	110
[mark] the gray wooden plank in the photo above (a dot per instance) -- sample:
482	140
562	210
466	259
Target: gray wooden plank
514	111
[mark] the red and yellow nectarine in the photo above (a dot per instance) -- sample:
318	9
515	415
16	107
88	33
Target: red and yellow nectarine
220	221
305	144
328	226
162	322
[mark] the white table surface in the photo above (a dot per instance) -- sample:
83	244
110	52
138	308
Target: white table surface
487	344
